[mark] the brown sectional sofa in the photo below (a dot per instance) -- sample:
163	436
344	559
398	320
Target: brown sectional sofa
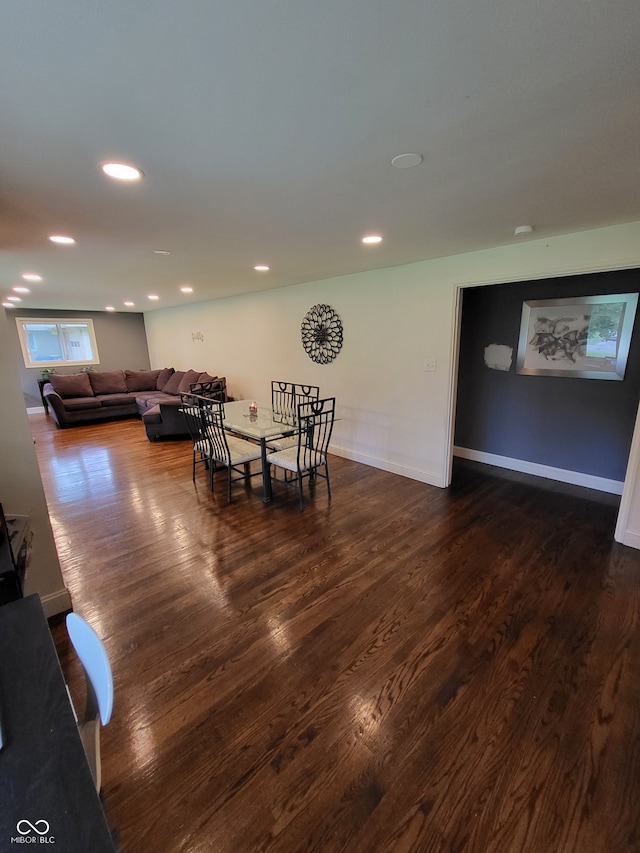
153	395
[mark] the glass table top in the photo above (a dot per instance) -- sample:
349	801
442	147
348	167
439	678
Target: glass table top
261	425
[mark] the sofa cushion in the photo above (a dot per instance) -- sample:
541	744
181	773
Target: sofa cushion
74	404
204	377
146	401
143	396
163	377
189	378
72	385
174	382
108	382
116	400
152	416
141	380
161	397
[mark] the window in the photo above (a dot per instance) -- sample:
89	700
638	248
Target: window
49	343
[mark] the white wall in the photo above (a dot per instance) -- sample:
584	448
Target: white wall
395	415
21	491
254	339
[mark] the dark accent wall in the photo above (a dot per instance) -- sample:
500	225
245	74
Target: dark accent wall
121	340
583	425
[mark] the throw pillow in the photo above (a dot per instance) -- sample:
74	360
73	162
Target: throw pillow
163	377
108	382
174	382
189	378
204	377
141	380
72	385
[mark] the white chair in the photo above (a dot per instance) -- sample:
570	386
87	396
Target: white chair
309	455
99	679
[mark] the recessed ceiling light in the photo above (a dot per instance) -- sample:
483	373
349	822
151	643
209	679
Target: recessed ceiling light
153	296
13	299
406	161
8	305
122	172
60	238
31	276
161	252
21	289
523	229
261	268
109	308
129	304
186	288
370	239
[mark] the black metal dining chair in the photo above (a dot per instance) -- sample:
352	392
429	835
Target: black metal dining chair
236	454
214	389
192	406
282	403
285	399
308	458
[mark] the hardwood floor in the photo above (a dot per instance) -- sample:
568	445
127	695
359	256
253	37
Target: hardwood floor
404	669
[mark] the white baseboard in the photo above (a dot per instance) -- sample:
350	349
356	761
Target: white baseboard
630	538
35	410
589	481
56	602
429	477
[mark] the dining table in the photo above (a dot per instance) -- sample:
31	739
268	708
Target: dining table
259	424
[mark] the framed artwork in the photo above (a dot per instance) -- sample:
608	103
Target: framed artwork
586	337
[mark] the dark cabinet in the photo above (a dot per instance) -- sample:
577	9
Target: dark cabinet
15	548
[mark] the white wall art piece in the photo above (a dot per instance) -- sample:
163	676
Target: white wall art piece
498	356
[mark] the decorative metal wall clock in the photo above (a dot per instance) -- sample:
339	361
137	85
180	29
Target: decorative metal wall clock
321	333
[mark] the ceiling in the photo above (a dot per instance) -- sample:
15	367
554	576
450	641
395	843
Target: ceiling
265	131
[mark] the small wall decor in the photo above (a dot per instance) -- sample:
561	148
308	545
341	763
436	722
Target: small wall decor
321	333
498	357
585	336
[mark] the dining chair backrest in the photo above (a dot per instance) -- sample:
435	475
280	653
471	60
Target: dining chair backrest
283	401
305	393
194	398
214	389
316	419
287	396
213	417
192	407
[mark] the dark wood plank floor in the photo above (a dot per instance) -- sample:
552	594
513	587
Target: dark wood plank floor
404	669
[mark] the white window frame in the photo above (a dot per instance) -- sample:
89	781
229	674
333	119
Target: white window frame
53	321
